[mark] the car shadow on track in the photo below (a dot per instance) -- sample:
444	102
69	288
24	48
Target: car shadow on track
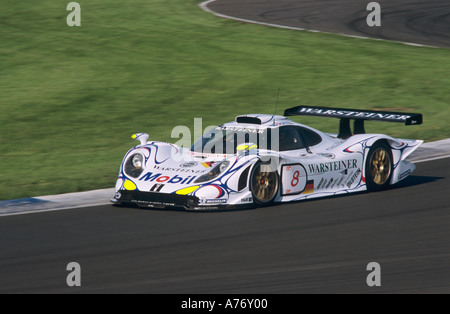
182	209
415	180
407	182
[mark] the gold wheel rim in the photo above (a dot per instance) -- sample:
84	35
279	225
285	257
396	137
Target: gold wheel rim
381	166
264	185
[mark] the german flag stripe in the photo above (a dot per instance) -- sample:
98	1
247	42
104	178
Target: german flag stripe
309	187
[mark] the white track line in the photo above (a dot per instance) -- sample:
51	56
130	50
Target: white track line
430	159
38	211
204	6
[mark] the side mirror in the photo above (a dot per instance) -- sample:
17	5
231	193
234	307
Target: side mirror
142	137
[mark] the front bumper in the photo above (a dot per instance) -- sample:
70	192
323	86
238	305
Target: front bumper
154	199
163	200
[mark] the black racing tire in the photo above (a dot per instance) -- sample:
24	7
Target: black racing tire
379	166
264	184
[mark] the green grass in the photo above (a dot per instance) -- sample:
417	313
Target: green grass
71	97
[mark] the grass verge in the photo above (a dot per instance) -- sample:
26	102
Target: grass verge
72	96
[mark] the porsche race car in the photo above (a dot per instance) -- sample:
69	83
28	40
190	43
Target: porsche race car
262	159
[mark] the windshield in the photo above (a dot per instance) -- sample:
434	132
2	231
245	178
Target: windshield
224	140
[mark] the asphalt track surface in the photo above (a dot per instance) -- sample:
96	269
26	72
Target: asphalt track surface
414	21
317	246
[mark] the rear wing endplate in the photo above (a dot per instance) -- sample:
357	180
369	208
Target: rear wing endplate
357	115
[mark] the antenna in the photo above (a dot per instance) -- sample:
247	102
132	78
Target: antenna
276	103
276	106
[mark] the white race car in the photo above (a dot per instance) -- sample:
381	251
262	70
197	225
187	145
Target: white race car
261	159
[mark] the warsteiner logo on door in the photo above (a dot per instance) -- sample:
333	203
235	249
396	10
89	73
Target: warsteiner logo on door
293	179
333	166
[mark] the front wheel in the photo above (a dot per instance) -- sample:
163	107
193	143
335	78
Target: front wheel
379	166
264	184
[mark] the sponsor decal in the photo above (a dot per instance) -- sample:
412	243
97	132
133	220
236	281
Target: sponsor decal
215	201
356	114
322	183
329	183
334	183
340	181
333	166
184	170
239	129
157	187
353	178
158	177
247	200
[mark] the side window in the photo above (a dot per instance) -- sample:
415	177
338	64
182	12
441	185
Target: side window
311	138
289	138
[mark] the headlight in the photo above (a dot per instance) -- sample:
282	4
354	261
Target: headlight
214	173
223	165
137	161
134	165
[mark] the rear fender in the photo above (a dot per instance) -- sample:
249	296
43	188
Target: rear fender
401	148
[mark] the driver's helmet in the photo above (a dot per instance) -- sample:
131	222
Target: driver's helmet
288	137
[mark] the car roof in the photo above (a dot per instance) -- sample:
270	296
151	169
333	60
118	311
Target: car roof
250	122
261	121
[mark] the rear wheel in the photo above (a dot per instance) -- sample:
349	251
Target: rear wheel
379	166
264	183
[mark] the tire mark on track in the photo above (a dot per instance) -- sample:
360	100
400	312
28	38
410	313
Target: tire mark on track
423	23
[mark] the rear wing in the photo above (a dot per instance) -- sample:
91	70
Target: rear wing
359	116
